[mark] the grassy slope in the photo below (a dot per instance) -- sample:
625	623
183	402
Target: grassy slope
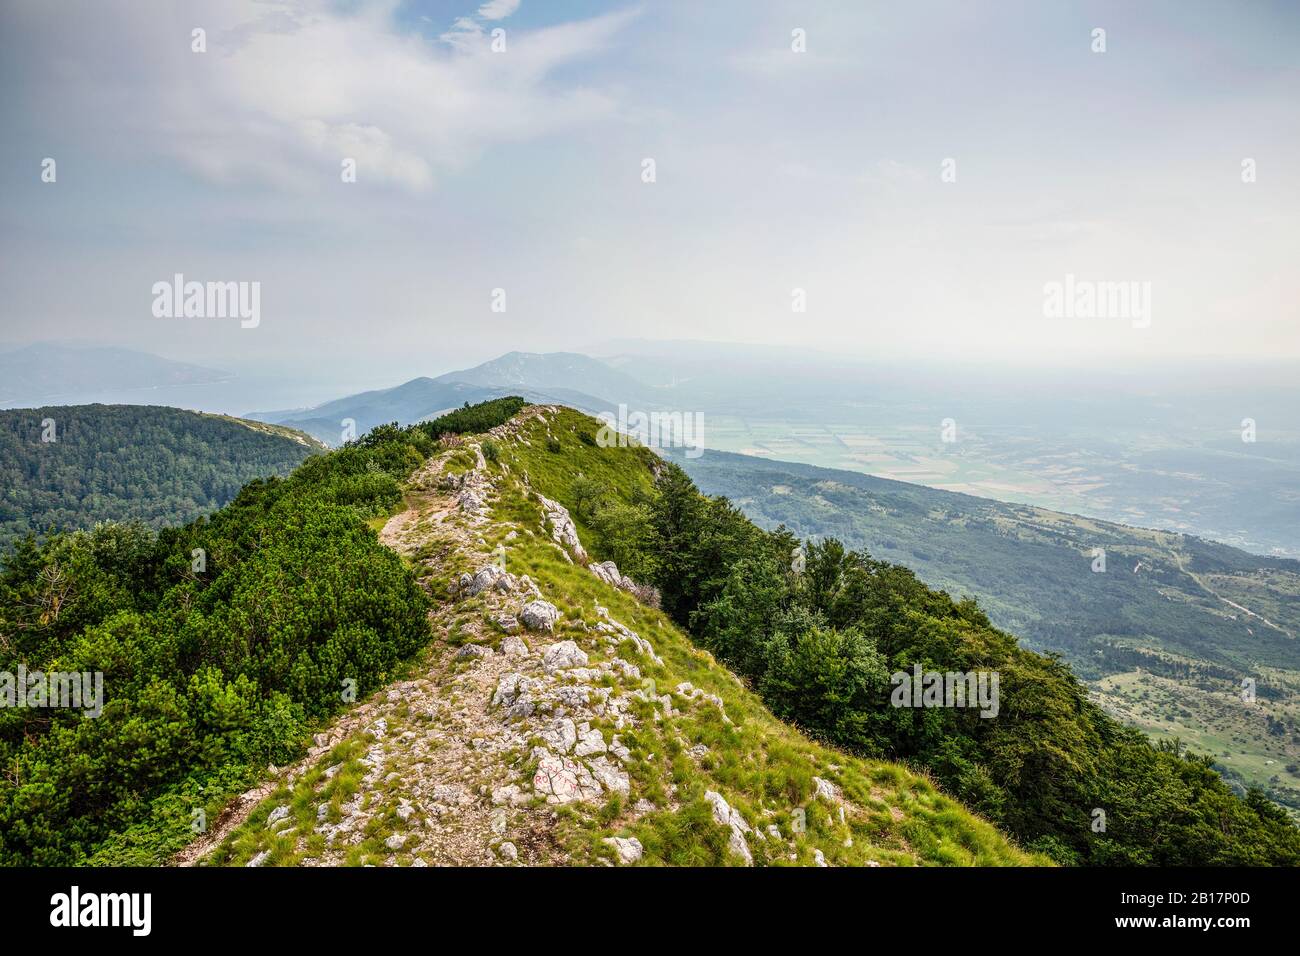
761	766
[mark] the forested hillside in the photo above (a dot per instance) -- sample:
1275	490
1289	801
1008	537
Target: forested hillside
216	679
1165	633
209	674
68	467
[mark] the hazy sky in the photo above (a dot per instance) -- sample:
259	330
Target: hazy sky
775	170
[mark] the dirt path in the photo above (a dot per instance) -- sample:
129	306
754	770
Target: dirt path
442	773
1178	559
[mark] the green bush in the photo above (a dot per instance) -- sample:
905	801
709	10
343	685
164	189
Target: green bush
208	676
473	419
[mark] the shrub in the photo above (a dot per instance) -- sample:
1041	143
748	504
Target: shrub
472	419
207	676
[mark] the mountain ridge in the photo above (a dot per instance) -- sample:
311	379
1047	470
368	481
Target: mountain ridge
555	669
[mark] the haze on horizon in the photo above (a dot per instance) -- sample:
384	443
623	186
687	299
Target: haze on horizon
775	170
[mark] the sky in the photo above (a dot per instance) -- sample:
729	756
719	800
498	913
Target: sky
917	176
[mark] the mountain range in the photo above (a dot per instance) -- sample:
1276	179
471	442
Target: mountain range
564	377
48	373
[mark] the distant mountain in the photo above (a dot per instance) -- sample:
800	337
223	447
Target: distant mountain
1165	635
405	404
552	371
71	466
564	378
45	373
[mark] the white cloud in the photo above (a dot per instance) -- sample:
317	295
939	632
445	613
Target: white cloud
498	9
289	88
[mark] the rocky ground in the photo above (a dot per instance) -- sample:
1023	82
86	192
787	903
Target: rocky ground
466	764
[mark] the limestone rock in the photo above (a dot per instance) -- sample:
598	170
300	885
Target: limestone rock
486	577
728	816
560	734
563	531
591	742
563	780
608	572
562	656
507	689
539	615
825	790
613	779
510	794
629	849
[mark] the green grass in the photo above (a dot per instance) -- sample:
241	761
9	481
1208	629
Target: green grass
760	765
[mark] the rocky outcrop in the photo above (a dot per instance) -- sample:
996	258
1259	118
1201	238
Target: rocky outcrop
486	577
562	656
728	816
608	572
563	531
562	779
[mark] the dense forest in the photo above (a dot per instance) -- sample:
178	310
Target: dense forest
67	467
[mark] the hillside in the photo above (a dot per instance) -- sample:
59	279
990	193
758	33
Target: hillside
130	463
556	719
1049	769
1164	637
414	651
